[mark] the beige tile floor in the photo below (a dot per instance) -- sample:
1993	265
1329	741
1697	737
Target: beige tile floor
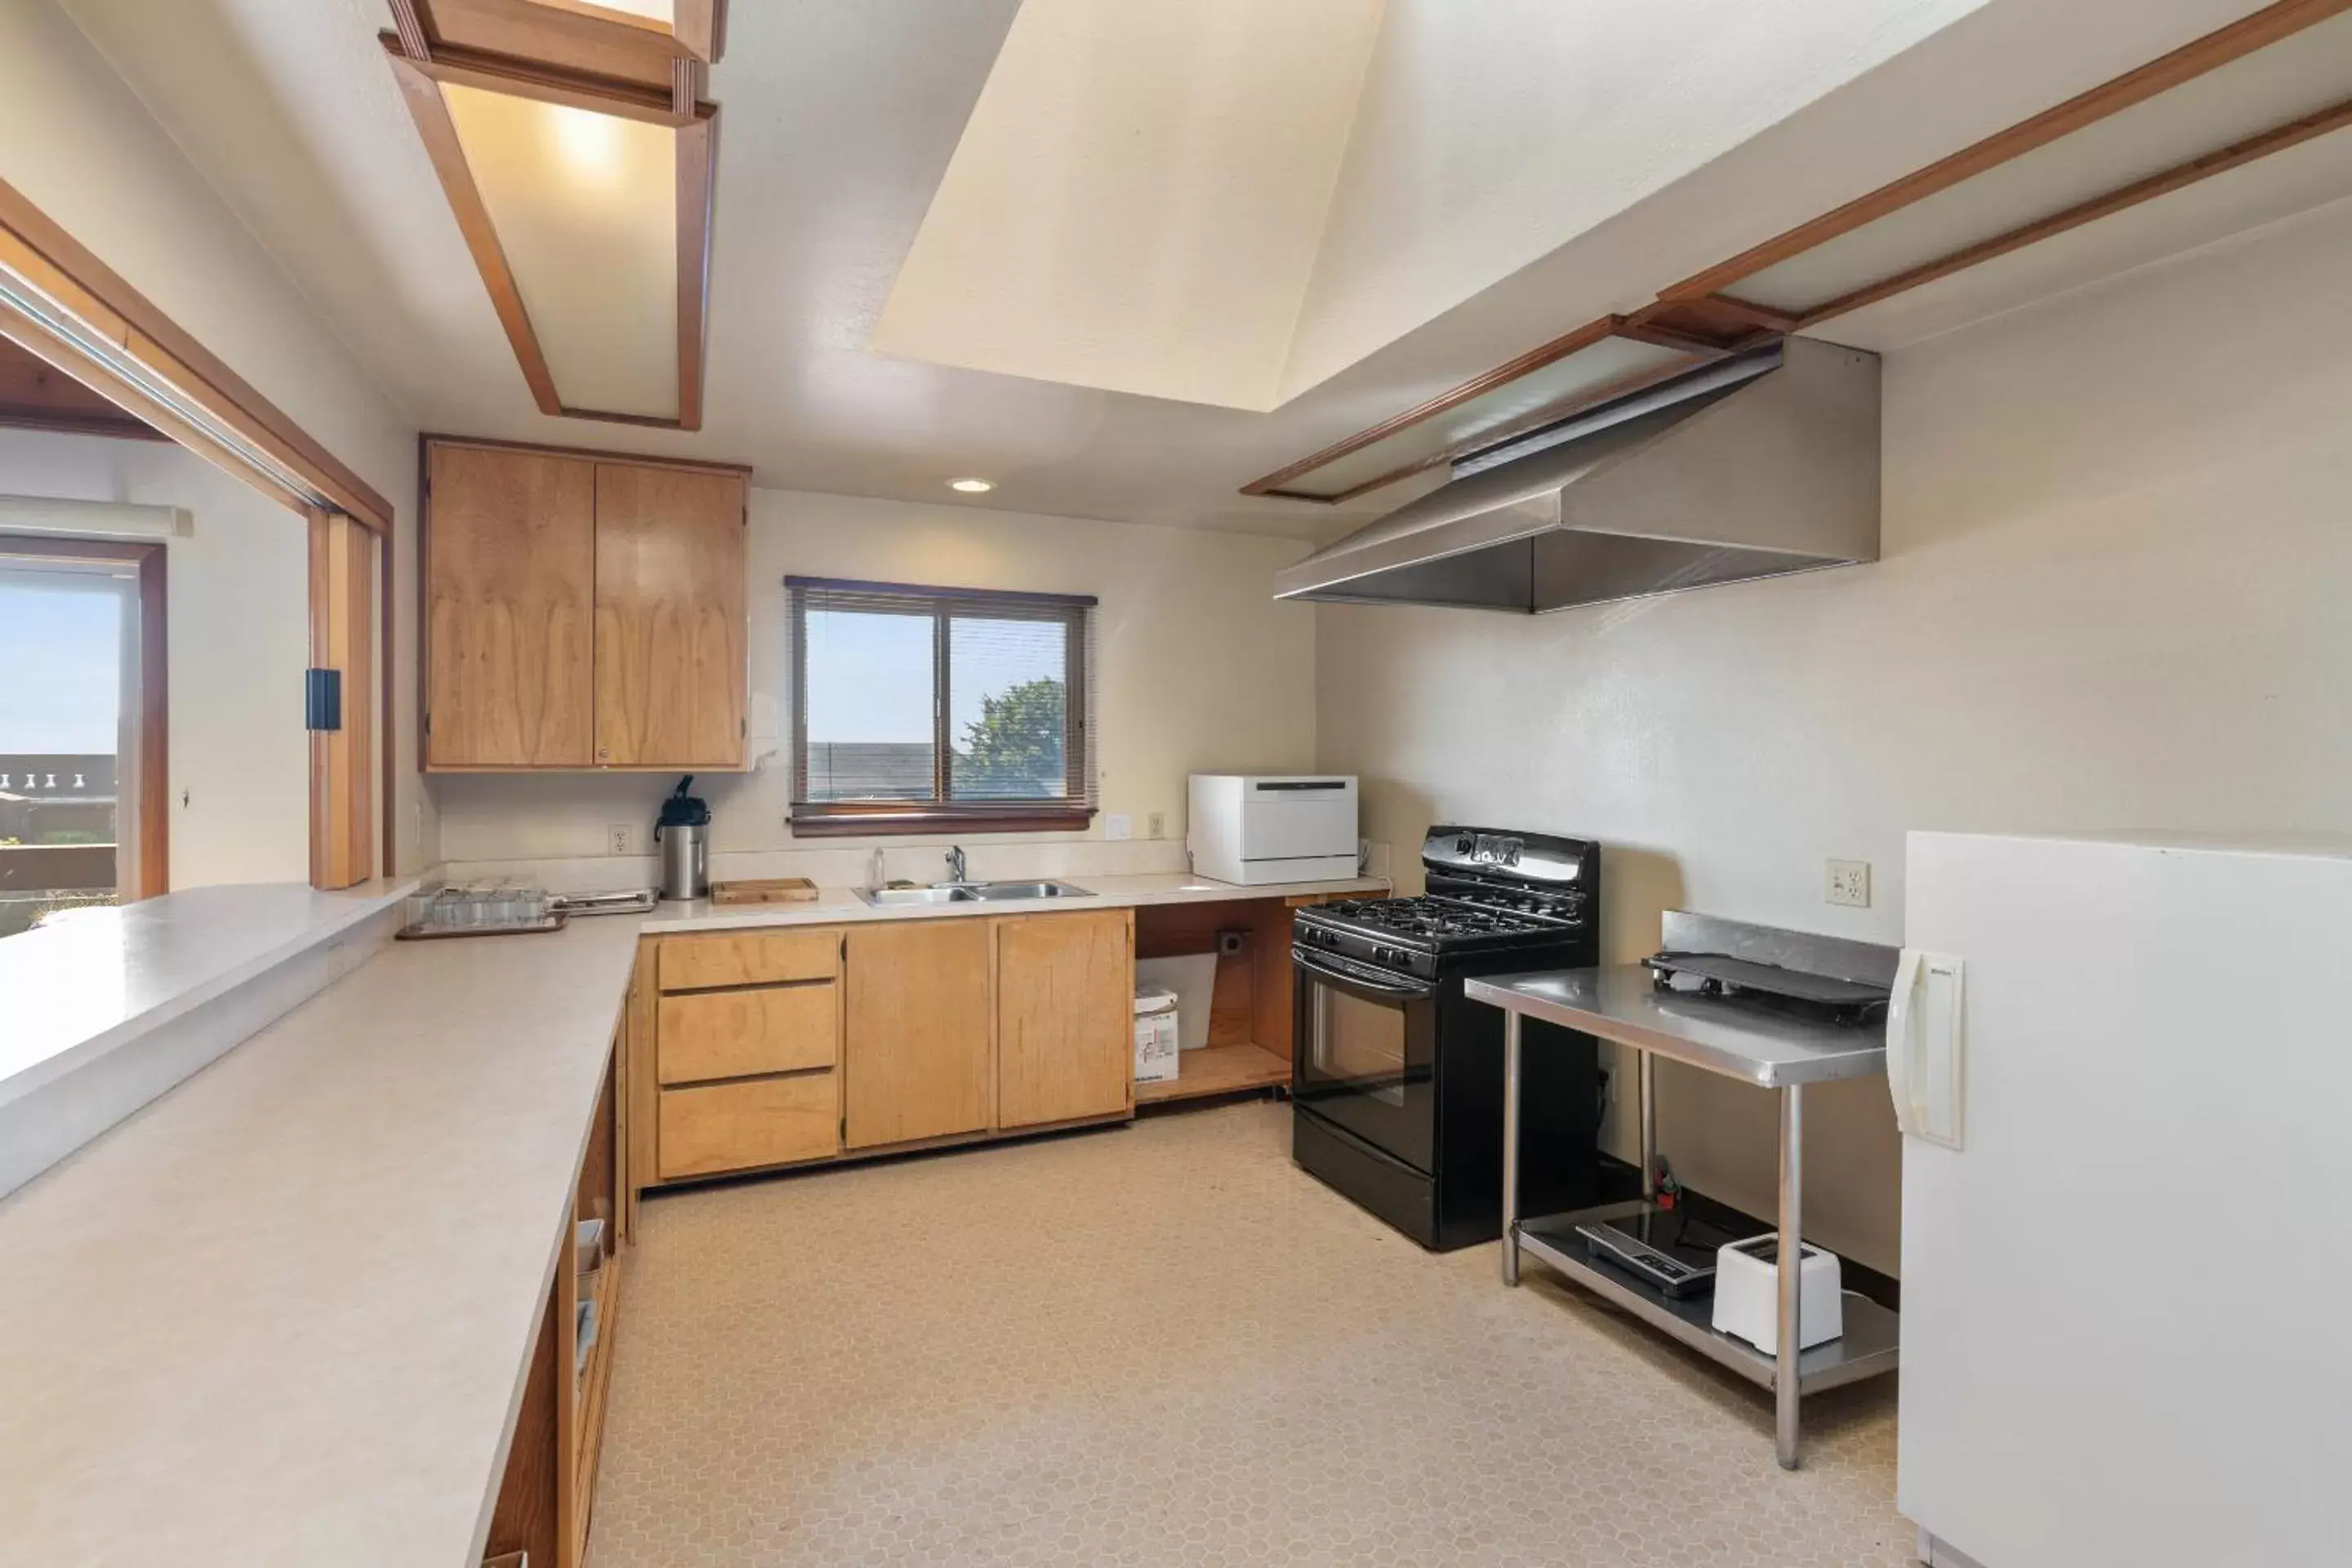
1164	1344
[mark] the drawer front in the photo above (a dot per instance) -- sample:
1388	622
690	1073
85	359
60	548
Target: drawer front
749	958
740	1126
735	1034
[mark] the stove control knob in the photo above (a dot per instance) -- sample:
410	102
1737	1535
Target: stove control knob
1464	845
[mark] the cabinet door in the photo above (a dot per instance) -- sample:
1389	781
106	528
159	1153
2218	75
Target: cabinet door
916	1058
669	618
1065	1017
509	584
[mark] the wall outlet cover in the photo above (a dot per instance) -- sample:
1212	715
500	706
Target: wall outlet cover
1156	825
620	838
1118	824
1848	883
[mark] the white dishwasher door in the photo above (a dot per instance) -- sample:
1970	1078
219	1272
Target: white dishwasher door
1298	819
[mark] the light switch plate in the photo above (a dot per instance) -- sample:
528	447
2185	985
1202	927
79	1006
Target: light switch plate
1118	824
1848	883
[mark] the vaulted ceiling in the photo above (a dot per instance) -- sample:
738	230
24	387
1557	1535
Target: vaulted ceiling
1489	177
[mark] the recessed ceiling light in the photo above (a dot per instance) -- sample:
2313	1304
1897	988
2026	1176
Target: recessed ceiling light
972	486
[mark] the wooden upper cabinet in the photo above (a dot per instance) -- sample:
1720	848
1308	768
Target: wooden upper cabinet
1066	1016
582	612
510	587
670	617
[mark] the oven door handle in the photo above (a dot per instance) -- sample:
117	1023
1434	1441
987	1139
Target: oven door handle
1355	980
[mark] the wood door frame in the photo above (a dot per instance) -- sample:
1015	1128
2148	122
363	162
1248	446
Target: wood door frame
153	801
37	249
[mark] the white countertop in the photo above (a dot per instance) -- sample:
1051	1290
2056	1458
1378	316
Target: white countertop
282	1315
85	985
839	906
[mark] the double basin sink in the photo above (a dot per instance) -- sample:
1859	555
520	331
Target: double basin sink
968	892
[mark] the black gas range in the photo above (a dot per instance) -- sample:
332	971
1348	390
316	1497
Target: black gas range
1398	1081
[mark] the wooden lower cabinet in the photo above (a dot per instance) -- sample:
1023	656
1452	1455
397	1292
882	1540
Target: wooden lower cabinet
1065	1011
714	1127
765	1048
915	1055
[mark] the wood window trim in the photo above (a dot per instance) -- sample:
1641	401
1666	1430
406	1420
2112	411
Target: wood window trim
342	608
154	761
1073	812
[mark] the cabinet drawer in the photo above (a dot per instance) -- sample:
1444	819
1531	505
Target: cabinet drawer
749	958
740	1126
735	1034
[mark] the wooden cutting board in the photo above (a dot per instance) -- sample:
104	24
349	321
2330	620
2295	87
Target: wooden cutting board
768	890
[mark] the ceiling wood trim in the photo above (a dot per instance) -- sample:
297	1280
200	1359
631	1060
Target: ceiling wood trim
2193	59
1511	430
701	28
68	272
1695	313
518	79
1511	369
697	135
697	189
2238	154
422	92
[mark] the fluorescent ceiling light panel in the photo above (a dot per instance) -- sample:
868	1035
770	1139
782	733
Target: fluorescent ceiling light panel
585	208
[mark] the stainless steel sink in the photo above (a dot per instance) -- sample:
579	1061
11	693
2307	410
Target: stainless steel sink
1029	890
900	898
967	893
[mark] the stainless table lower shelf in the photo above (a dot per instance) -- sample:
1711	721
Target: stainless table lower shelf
1866	1348
1622	1004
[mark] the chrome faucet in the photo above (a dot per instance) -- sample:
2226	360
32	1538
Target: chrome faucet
874	872
955	863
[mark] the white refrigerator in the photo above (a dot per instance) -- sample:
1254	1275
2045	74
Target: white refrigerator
2124	1079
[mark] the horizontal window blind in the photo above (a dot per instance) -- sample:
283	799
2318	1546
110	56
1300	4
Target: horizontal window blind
920	705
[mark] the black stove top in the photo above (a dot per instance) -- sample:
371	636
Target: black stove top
1430	919
1489	892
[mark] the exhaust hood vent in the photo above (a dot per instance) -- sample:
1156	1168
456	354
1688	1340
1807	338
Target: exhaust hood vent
1752	466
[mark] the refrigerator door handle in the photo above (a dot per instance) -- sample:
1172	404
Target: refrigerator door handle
1899	1038
1926	1052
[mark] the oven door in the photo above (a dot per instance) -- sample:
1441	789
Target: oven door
1366	1045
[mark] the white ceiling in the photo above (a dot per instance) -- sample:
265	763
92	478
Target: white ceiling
840	117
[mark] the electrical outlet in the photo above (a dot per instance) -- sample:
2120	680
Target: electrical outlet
1848	883
1157	824
620	838
1118	824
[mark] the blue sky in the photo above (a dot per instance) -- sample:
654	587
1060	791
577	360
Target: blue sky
871	674
58	681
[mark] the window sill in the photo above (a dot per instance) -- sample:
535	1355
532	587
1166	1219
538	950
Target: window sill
856	823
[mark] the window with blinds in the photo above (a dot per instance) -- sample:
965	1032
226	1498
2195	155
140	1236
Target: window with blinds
945	709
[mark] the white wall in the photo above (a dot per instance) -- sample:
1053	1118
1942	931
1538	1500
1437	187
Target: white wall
77	143
237	637
1200	668
2116	562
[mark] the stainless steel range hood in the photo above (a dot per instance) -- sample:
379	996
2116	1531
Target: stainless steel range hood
1751	466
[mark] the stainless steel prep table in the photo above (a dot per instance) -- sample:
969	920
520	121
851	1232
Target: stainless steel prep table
1619	1002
